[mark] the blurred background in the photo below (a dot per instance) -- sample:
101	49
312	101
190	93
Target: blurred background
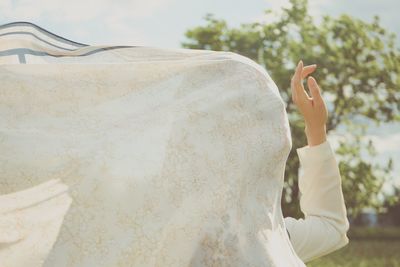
356	46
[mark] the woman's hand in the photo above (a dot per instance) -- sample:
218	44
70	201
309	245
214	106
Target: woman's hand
312	108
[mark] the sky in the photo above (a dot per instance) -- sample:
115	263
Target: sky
162	23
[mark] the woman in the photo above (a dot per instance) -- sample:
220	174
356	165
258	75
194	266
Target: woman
170	157
324	228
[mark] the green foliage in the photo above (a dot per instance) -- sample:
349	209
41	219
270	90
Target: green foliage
392	208
362	253
374	233
368	247
358	69
363	180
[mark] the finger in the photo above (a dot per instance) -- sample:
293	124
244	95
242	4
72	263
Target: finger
307	70
315	90
301	94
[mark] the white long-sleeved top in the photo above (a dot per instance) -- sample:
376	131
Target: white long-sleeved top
325	224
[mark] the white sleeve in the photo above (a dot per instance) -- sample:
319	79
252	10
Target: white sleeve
325	224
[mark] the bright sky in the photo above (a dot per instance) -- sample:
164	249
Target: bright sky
163	23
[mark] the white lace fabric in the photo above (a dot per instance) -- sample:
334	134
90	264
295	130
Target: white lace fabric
138	156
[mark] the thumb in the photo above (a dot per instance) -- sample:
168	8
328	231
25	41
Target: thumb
314	89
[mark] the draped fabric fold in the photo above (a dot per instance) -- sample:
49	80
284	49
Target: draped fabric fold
138	156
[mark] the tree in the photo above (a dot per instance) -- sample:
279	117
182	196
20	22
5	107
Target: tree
391	206
358	69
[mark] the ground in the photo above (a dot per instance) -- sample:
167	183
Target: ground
367	248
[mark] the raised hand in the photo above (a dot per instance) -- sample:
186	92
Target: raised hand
312	108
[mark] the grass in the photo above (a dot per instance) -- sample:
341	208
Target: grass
377	247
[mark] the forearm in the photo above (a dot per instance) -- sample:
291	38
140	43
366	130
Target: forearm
324	227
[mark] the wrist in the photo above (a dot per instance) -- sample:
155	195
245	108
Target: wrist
315	135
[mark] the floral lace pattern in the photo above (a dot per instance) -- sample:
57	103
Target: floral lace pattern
162	158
